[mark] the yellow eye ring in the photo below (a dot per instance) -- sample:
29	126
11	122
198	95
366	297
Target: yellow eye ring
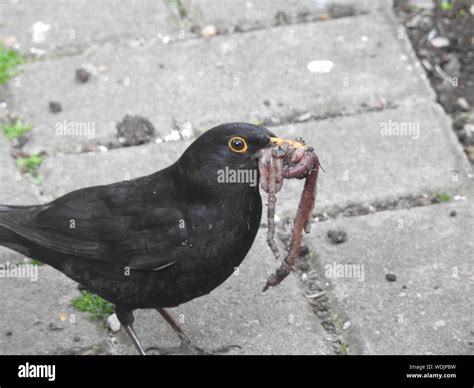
238	145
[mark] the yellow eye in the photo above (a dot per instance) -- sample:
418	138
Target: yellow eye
238	145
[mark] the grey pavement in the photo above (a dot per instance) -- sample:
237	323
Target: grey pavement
16	189
37	316
428	309
362	164
365	84
66	28
207	82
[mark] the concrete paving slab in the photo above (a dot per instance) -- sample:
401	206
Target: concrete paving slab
381	156
37	317
362	163
257	76
428	309
71	172
14	187
65	27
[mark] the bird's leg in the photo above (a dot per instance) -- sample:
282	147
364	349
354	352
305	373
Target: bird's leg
168	318
131	332
187	346
126	319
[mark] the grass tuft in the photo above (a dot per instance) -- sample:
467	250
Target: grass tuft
98	308
30	164
12	131
9	59
443	198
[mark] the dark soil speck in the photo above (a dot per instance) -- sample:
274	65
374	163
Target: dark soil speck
391	277
53	327
337	236
82	75
134	130
304	250
55	107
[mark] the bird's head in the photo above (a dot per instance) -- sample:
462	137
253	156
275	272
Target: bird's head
227	153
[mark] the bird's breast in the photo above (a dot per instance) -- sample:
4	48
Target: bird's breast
218	242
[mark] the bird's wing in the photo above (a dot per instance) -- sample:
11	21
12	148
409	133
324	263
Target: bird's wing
109	223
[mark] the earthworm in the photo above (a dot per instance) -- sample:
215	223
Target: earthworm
275	165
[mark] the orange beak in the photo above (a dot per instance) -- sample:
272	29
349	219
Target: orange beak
276	141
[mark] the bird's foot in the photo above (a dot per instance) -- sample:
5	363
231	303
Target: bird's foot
188	348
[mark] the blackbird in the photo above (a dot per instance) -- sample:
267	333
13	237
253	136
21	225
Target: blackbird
156	241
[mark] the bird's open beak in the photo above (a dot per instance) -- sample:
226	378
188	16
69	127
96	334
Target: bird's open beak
276	141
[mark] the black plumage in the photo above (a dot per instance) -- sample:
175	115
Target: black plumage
155	241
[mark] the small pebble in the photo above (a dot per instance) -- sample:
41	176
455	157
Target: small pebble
439	42
9	333
462	104
82	75
113	323
453	213
209	31
337	236
76	338
391	277
55	107
304	117
320	66
302	266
